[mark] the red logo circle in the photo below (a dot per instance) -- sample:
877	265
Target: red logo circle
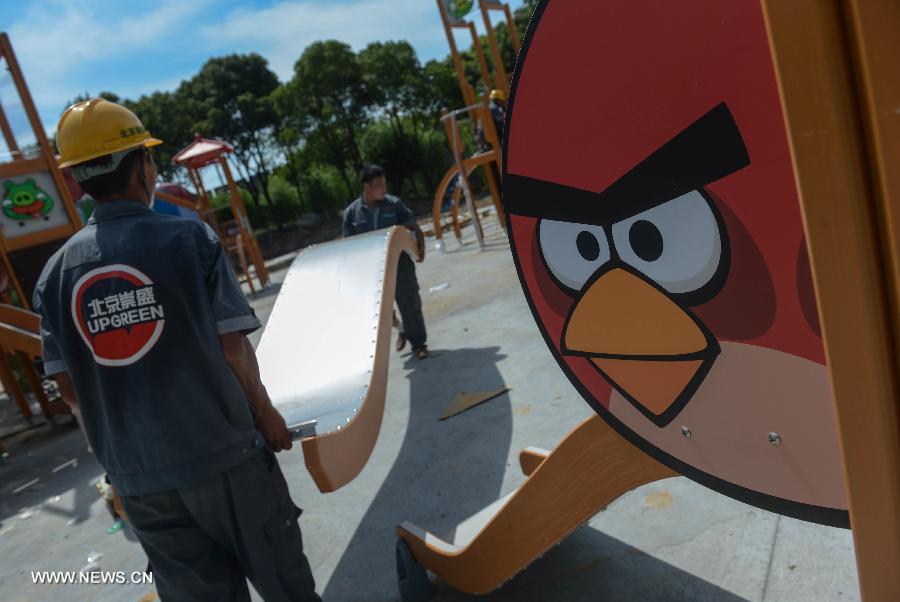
116	312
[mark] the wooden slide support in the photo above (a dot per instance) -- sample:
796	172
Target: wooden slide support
20	334
591	467
62	220
454	205
203	153
324	353
479	113
233	245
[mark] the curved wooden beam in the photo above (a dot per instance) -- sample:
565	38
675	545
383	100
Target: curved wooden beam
21	318
592	466
324	353
454	207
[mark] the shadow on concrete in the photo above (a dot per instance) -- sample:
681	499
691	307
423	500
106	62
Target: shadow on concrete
35	459
589	566
445	470
270	291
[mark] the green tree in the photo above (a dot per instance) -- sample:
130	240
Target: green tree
167	117
290	127
396	82
231	94
440	88
392	74
328	86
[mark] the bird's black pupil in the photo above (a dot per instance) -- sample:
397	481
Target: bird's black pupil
588	245
646	240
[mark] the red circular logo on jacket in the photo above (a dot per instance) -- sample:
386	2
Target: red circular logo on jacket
116	312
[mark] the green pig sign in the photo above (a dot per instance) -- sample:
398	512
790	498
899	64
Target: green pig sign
459	8
25	200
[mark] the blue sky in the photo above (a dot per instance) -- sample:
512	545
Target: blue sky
134	47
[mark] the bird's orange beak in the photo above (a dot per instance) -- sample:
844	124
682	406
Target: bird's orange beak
651	349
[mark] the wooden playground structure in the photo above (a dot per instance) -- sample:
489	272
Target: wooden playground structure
236	234
462	171
479	117
38	215
837	91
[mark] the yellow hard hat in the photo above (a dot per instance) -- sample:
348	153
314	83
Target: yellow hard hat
498	95
96	127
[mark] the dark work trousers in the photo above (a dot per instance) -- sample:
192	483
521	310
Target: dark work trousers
409	302
206	539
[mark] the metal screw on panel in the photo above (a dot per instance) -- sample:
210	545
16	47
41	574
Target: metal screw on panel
774	438
686	432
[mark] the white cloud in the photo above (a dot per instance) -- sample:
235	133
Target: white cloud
66	48
58	41
281	32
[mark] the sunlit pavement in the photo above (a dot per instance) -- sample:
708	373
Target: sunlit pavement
671	540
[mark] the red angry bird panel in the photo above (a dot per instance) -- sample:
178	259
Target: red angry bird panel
658	237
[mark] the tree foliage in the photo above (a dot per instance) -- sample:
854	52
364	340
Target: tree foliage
299	145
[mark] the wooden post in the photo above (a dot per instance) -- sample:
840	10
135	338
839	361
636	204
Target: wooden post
9	137
38	129
513	30
205	202
451	132
13	279
839	181
501	82
482	62
873	28
45	162
240	214
493	184
454	53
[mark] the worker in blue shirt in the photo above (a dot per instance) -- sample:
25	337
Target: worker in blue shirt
144	327
373	210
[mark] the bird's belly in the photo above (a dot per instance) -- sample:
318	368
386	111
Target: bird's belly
749	393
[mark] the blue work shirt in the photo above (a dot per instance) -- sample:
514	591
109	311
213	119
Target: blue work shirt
132	307
390	211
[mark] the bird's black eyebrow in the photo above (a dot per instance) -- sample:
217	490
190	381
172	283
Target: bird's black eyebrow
705	151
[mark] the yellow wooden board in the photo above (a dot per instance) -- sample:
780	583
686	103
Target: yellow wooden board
464	401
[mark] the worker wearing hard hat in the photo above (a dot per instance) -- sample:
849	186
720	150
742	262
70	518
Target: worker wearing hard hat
497	106
144	326
497	109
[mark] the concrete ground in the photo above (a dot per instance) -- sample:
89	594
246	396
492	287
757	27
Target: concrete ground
671	540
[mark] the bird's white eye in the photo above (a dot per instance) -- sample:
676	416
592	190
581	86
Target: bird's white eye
572	251
677	244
